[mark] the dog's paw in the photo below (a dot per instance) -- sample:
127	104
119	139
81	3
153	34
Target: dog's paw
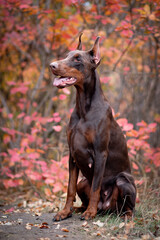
62	215
88	214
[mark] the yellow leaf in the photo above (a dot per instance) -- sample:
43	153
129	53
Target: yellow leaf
147	9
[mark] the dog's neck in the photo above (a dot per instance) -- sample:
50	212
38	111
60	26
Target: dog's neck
88	94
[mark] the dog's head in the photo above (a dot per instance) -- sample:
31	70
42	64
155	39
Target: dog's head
77	65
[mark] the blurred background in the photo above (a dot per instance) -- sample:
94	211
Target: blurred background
34	114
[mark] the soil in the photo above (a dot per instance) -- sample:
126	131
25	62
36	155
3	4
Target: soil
22	224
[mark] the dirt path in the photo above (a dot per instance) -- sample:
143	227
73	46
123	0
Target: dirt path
25	226
22	225
33	221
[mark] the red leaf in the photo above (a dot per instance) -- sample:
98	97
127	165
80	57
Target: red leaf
56	114
34	155
15	157
156	159
105	79
140	182
123	122
50	119
10	83
62	97
57	187
12	132
135	166
27	120
57	119
126	69
10	210
57	128
22	6
21	89
152	125
128	127
66	91
104	21
34	175
142	124
147	169
21	115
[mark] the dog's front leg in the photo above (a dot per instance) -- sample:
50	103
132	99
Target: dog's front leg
99	166
72	185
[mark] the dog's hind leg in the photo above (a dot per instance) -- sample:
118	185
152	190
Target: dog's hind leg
110	199
83	191
127	194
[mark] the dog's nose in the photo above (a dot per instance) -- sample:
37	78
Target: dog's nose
54	65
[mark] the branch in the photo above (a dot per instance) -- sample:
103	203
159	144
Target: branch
123	53
27	55
131	5
4	103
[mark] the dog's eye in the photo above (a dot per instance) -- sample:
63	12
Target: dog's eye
77	59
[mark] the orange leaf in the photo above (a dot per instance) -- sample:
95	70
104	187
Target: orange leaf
64	230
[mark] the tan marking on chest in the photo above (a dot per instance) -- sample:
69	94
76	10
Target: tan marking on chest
90	136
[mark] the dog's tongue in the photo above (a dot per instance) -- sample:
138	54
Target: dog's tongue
63	81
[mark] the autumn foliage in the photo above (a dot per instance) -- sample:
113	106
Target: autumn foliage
34	114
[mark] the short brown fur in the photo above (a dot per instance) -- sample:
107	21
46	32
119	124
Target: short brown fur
96	143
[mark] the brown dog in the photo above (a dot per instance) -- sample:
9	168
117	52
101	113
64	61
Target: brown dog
96	143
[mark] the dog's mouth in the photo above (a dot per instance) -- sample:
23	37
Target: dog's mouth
62	82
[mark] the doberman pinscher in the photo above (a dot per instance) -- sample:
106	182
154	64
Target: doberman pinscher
97	145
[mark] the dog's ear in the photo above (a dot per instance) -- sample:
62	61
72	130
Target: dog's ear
95	52
79	47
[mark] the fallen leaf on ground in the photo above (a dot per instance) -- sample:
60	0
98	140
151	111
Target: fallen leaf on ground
98	223
58	226
85	224
61	236
98	234
28	226
6	223
64	230
44	223
121	225
43	226
10	210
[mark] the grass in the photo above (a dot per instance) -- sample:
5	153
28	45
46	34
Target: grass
144	225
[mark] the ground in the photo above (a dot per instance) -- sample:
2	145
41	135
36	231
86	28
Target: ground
27	226
27	220
28	223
